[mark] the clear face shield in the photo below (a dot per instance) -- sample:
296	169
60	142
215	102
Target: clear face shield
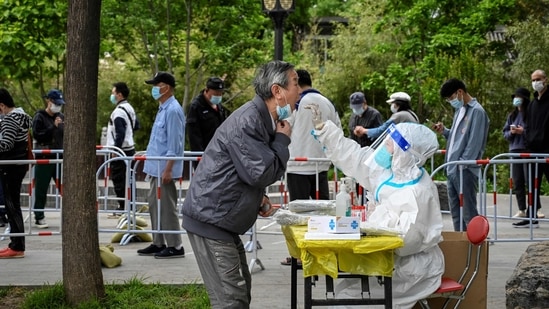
381	158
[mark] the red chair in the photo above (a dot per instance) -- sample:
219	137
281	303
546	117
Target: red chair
477	231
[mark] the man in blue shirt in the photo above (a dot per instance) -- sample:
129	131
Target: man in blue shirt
167	140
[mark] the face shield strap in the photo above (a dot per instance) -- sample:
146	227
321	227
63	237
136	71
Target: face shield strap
398	138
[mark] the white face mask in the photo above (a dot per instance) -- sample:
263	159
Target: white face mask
394	108
537	85
358	110
55	108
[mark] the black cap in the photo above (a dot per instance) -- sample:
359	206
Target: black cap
521	92
215	83
357	98
162	77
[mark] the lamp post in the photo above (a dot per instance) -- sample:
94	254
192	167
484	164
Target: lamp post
278	10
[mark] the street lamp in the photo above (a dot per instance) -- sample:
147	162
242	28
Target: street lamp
278	10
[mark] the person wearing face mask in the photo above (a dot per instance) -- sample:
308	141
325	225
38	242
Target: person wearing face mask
167	140
247	153
465	140
406	200
537	135
206	114
402	112
363	117
14	145
513	132
48	129
301	176
120	130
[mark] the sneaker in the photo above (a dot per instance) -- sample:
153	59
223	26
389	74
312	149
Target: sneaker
526	224
41	224
169	253
520	214
540	215
114	215
11	254
151	250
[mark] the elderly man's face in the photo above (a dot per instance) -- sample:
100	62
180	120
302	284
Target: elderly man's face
538	76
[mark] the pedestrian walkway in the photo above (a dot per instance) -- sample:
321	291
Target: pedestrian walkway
270	287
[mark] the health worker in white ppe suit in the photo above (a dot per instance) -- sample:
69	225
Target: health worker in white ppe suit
405	196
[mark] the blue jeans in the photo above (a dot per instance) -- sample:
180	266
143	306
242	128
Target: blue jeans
470	189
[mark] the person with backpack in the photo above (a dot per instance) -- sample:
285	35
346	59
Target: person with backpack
48	131
122	124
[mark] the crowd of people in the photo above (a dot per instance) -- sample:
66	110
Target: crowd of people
249	149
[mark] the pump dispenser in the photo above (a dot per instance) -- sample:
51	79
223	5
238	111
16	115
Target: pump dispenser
343	200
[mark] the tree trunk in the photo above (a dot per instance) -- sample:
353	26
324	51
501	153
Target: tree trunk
82	275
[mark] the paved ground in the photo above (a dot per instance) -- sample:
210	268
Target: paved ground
271	286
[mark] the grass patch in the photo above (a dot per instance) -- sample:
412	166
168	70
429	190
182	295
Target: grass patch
132	294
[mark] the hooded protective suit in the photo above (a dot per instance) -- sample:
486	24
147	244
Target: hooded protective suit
406	201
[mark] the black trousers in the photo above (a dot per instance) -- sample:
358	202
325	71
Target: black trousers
303	187
12	178
118	176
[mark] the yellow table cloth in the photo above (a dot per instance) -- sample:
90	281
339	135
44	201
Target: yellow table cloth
371	255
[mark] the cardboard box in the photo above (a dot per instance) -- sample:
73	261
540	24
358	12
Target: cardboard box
333	224
455	248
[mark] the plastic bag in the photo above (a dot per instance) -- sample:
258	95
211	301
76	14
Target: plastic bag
286	217
317	207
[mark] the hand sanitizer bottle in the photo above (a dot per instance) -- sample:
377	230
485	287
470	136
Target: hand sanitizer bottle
343	201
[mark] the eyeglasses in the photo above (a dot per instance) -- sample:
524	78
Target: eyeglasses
450	98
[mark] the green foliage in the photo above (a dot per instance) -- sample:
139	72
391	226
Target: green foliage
132	294
32	41
192	39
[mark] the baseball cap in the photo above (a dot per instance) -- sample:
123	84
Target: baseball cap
399	96
162	77
215	83
357	98
56	96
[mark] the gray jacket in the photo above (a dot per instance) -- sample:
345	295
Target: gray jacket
470	140
244	156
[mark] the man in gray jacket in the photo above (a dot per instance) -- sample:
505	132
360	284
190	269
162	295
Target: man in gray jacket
465	140
247	153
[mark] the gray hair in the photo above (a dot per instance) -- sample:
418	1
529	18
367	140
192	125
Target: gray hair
274	72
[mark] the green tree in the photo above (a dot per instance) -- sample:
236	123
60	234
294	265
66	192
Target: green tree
192	39
32	45
413	46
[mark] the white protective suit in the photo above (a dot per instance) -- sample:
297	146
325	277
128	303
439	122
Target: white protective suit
406	201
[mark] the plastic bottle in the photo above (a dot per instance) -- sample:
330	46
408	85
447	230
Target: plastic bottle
343	202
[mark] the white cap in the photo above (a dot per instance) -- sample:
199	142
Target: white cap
399	96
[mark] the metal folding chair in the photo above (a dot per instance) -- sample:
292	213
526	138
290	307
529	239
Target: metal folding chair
477	231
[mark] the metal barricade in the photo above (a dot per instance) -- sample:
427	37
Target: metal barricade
130	196
532	161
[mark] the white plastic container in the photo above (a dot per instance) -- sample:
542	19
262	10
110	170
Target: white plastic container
343	202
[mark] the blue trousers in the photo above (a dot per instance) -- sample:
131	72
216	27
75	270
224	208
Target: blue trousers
470	189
